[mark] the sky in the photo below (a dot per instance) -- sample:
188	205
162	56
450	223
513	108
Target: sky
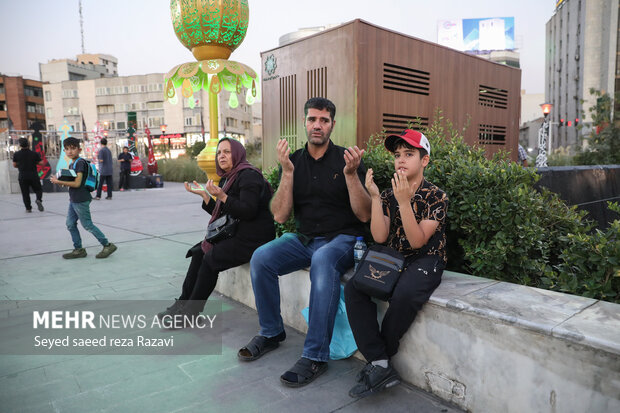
139	32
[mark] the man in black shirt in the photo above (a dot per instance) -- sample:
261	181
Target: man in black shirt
323	184
124	159
26	161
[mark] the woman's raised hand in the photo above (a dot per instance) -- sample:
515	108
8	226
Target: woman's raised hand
216	191
195	189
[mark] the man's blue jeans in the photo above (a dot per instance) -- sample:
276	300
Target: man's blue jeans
328	259
81	211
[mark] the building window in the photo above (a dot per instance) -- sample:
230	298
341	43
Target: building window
155	87
155	105
73	110
49	113
120	125
33	91
105	108
155	122
70	93
189	121
48	96
245	124
50	126
231	122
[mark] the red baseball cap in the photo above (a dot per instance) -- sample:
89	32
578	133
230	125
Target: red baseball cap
412	137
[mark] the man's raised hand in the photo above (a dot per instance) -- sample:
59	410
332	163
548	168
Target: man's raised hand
352	159
283	152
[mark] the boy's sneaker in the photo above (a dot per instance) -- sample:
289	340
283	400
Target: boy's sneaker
374	379
172	310
76	253
40	205
106	251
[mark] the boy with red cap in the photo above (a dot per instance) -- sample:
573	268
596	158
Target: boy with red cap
410	218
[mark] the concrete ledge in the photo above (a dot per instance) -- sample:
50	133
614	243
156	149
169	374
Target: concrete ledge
487	345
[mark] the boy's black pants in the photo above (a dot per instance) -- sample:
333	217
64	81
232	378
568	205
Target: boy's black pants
414	288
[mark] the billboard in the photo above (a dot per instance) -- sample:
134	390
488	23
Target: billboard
473	35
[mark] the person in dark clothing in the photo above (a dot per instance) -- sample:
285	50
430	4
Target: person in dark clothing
323	184
26	161
105	169
243	194
124	159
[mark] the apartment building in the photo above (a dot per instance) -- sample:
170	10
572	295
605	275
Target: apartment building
108	100
85	66
21	100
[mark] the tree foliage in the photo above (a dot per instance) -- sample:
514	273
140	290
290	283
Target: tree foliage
603	142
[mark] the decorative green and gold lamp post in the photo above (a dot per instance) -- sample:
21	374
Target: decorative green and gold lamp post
211	30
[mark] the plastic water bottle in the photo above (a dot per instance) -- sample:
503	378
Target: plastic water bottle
358	251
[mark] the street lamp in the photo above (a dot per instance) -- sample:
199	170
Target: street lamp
163	135
543	133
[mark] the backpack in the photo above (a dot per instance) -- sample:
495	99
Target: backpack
92	177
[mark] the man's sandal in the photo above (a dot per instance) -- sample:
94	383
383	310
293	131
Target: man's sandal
260	345
303	372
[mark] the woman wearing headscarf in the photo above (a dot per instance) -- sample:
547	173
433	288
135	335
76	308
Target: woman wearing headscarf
243	194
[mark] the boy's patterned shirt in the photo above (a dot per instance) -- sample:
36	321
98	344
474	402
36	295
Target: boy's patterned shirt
428	202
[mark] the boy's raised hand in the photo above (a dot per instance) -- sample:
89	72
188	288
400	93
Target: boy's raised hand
371	186
402	190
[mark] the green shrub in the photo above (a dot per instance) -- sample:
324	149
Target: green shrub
273	177
604	138
196	148
181	170
591	263
254	154
500	227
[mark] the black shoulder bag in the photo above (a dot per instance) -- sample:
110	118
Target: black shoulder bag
378	271
222	228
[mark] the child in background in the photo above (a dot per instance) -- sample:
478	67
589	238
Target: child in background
79	204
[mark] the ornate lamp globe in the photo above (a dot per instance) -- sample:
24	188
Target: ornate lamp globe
211	30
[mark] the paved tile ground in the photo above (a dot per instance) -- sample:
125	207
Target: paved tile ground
153	229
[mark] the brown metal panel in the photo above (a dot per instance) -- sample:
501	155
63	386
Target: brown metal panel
454	84
377	77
